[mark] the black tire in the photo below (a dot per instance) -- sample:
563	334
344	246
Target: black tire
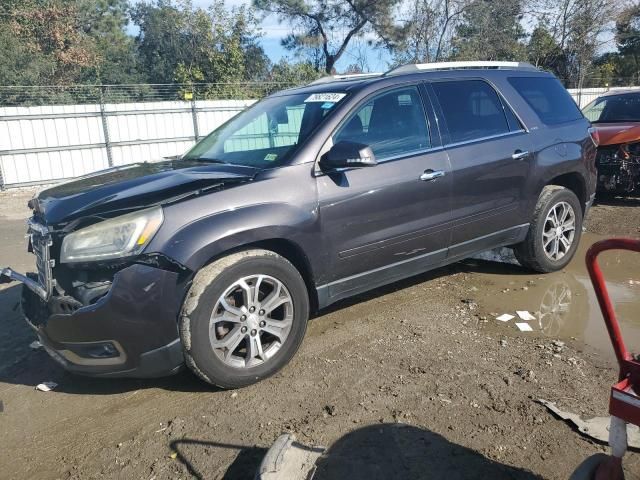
208	285
530	253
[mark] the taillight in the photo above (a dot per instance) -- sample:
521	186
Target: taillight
595	136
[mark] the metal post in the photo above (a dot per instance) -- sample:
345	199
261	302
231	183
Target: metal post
105	128
194	116
2	187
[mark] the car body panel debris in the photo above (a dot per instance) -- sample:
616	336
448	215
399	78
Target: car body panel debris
596	428
288	459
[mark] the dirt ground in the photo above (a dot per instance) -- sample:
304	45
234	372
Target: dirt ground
426	353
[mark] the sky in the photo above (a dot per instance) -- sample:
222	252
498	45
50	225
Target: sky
273	32
377	60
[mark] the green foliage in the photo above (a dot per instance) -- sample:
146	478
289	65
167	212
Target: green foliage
216	45
543	51
490	30
626	63
104	22
43	42
292	74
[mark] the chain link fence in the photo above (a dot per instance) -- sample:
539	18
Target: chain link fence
29	96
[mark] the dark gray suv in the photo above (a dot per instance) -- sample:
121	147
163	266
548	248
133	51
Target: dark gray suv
312	195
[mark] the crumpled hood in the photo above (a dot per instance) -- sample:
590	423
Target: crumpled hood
134	186
616	133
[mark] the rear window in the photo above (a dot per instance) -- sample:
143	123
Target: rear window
548	98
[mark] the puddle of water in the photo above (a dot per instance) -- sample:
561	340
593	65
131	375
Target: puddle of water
564	303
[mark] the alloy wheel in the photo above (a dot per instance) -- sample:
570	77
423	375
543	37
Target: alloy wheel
251	321
559	231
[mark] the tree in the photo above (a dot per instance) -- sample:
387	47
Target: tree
578	28
428	30
52	48
323	29
211	45
57	42
104	22
170	35
490	30
543	51
627	62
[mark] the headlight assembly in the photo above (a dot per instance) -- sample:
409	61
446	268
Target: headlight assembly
118	237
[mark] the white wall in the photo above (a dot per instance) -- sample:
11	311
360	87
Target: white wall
43	144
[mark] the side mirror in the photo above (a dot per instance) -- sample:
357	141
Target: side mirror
348	155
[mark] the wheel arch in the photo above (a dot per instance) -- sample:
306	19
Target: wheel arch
286	248
573	181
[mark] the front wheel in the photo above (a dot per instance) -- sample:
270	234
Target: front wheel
554	231
244	318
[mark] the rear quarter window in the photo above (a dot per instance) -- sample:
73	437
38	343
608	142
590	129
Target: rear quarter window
472	109
548	98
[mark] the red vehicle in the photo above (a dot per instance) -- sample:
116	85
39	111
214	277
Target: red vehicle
616	120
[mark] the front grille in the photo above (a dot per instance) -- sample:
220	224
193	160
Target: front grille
40	239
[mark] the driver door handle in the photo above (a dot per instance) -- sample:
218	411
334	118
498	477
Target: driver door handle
429	175
519	154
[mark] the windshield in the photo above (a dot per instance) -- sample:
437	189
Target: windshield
267	134
614	108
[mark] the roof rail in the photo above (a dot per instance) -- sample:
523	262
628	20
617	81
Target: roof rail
349	76
417	67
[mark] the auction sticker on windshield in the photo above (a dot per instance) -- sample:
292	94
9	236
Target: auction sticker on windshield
325	97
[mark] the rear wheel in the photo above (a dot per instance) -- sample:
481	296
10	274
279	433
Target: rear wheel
244	318
554	231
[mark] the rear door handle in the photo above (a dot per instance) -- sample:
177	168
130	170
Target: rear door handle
519	154
429	175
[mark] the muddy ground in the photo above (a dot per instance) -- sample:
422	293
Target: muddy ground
426	353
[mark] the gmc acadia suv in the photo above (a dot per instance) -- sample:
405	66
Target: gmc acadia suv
314	194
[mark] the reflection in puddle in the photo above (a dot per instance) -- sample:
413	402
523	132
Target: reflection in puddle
555	308
564	303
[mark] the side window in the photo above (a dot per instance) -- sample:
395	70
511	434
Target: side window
471	109
548	98
393	123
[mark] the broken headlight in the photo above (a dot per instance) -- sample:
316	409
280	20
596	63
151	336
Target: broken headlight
114	238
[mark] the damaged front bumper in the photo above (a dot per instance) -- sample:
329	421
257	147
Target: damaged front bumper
131	331
7	275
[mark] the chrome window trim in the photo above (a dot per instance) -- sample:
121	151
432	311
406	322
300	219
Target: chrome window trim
483	139
413	153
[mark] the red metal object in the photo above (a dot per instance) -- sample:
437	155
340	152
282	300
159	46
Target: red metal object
625	395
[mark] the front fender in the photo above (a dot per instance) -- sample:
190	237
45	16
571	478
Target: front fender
196	243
